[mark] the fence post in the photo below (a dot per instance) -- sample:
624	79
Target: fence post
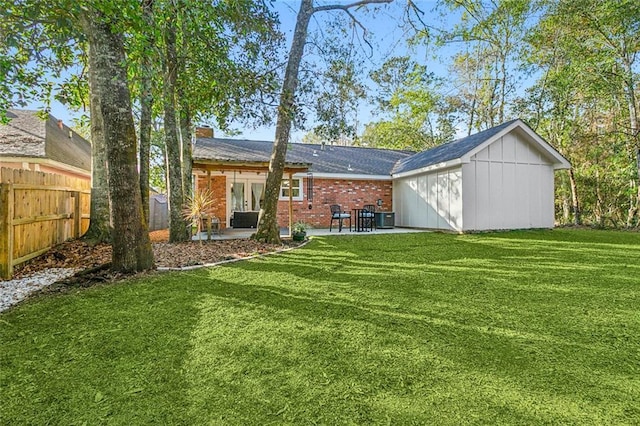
77	215
6	230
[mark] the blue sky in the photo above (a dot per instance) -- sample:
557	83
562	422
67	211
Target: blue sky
386	36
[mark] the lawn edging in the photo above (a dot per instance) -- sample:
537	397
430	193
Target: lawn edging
223	262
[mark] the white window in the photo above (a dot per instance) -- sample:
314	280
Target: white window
296	188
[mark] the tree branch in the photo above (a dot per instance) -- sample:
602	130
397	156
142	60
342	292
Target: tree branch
346	7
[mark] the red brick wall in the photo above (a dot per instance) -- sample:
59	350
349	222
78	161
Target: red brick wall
219	189
350	194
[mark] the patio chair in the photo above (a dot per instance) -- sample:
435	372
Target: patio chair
339	215
368	216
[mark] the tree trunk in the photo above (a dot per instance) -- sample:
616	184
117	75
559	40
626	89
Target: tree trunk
268	229
100	223
146	106
577	217
177	224
187	161
185	124
634	138
598	210
131	245
566	204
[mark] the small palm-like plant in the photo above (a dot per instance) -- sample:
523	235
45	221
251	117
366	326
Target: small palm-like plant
197	207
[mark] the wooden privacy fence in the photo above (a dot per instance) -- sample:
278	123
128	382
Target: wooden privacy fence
38	211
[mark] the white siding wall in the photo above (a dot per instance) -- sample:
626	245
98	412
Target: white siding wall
429	200
508	185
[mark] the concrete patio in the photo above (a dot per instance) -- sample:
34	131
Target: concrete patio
236	234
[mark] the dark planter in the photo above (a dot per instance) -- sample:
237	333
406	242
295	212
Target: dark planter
299	236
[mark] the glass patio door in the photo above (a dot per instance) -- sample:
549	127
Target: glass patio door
245	195
257	195
238	198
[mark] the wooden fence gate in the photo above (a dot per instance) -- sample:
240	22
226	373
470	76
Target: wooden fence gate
37	211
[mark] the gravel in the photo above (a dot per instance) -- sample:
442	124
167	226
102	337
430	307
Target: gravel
13	291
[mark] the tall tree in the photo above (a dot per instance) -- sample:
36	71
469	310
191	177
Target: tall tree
339	89
268	229
492	33
414	111
41	45
177	224
216	60
587	101
131	244
146	102
100	221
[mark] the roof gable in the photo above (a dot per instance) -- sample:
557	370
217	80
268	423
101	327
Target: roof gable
461	150
449	151
66	146
28	135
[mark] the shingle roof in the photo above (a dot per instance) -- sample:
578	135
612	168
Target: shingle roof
331	159
350	160
28	135
448	151
24	136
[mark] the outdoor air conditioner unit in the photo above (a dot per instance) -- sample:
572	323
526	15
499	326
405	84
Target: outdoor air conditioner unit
385	219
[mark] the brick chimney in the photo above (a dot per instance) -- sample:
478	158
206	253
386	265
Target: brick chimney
204	132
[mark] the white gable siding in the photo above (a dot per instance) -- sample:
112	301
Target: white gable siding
508	185
430	200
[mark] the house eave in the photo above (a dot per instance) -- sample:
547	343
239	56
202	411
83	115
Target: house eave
45	162
430	168
216	165
349	176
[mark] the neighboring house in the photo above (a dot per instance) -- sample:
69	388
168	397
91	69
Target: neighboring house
501	178
29	142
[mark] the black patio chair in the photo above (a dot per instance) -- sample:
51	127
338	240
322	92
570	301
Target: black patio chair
339	215
368	216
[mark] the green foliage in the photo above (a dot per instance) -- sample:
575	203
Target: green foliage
337	103
300	227
331	84
585	102
485	70
536	327
395	134
228	54
408	95
197	207
37	45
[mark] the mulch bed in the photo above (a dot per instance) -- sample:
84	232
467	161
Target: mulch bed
94	260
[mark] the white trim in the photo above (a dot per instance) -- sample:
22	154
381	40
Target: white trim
246	178
438	166
299	197
47	162
343	176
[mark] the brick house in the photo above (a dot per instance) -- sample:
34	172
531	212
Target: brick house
500	178
316	175
43	145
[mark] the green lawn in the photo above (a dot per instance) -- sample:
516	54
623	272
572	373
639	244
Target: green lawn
508	328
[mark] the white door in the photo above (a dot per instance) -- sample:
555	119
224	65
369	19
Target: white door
244	195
